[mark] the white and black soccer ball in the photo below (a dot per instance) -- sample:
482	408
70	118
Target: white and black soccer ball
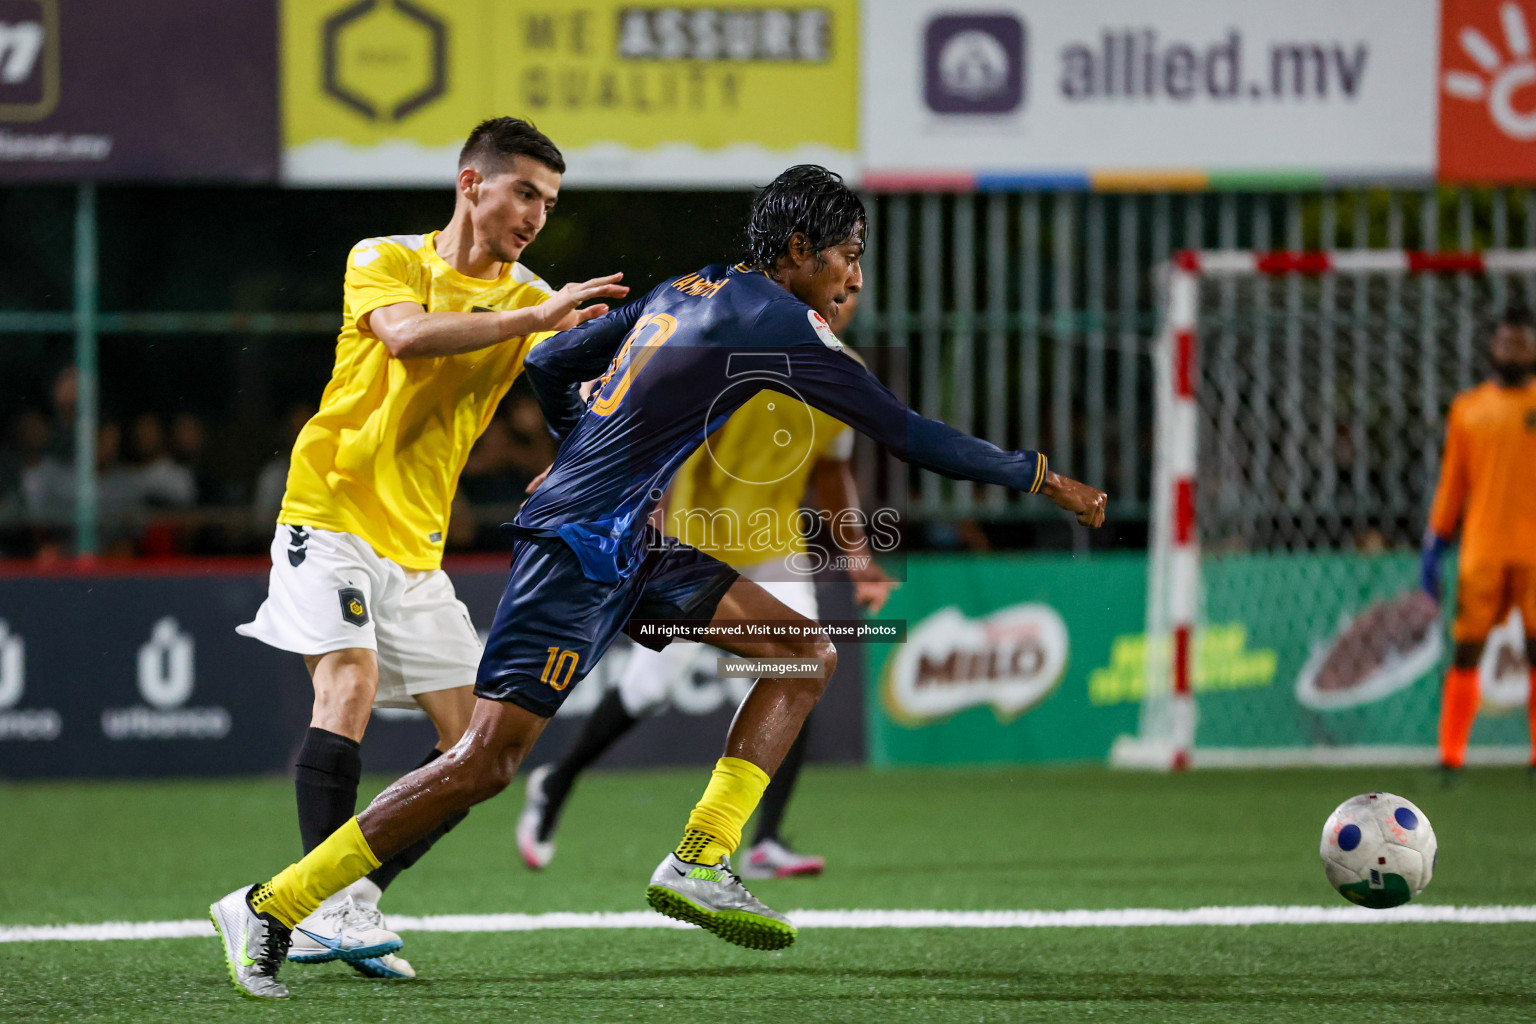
1378	850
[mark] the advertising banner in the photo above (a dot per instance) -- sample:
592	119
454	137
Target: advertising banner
696	93
1131	94
1488	91
1356	665
1000	655
1028	658
143	675
153	90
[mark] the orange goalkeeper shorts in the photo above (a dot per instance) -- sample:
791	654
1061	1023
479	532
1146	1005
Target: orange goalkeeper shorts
1484	596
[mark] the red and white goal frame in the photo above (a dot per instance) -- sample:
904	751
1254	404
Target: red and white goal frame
1168	726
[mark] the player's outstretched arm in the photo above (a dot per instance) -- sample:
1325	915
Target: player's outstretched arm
557	367
409	331
838	385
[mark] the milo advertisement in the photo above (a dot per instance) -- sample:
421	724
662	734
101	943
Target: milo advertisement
999	653
1299	657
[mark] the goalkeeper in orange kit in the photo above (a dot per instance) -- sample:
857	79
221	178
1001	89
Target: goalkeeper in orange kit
1488	486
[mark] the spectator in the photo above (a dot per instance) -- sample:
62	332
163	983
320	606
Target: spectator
49	487
162	482
534	449
491	473
66	394
28	445
272	481
188	443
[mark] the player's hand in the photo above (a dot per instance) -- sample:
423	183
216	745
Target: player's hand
871	586
1087	503
561	311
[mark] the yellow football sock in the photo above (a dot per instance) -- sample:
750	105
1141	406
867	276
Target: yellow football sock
714	827
295	892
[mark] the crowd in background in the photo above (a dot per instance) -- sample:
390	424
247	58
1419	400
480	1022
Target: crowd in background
170	484
162	489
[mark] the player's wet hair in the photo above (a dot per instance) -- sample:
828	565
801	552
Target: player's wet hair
808	199
495	141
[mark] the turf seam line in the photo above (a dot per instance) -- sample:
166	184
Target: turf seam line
1129	918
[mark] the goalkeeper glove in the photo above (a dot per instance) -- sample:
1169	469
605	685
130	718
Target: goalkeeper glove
1429	564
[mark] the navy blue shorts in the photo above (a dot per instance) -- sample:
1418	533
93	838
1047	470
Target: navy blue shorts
553	623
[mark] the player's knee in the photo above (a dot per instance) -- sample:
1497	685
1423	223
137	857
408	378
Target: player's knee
1467	655
346	683
492	779
479	774
825	652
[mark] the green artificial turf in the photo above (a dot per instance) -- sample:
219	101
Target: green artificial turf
940	839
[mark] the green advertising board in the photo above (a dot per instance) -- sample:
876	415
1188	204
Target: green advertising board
999	652
1359	656
1043	658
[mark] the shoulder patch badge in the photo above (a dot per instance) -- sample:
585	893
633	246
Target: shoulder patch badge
823	331
352	607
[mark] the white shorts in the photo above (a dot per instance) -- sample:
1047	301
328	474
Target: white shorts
330	591
650	677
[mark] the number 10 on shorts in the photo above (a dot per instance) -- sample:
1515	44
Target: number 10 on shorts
556	664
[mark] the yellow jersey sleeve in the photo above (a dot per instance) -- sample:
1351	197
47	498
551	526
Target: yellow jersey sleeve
381	458
381	273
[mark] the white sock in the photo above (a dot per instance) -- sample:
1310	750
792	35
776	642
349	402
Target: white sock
364	890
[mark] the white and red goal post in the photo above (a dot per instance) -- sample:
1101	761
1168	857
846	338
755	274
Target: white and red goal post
1298	413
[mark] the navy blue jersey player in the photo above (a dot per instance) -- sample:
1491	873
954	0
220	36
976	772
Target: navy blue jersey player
585	562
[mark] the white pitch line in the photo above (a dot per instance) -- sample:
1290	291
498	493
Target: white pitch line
1131	918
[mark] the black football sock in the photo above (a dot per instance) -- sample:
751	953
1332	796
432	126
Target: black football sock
325	782
770	813
608	723
387	872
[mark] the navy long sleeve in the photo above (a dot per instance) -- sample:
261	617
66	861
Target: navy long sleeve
703	345
558	366
836	384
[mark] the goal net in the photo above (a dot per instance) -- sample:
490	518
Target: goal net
1299	418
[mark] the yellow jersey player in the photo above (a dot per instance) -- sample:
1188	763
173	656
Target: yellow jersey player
435	328
737	499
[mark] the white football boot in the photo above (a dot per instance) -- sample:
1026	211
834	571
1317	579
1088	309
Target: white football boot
254	945
366	915
536	853
772	859
342	929
389	967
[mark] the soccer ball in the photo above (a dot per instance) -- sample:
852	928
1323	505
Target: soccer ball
1378	850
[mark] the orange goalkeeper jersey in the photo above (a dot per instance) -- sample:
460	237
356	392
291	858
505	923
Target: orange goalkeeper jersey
1488	476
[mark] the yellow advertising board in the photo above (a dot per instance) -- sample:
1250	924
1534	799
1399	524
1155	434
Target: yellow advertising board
707	92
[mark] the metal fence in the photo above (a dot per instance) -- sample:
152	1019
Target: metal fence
1028	318
1024	318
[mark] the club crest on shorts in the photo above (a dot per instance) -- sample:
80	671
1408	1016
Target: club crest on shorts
352	607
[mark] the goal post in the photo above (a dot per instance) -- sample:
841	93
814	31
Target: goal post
1299	415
